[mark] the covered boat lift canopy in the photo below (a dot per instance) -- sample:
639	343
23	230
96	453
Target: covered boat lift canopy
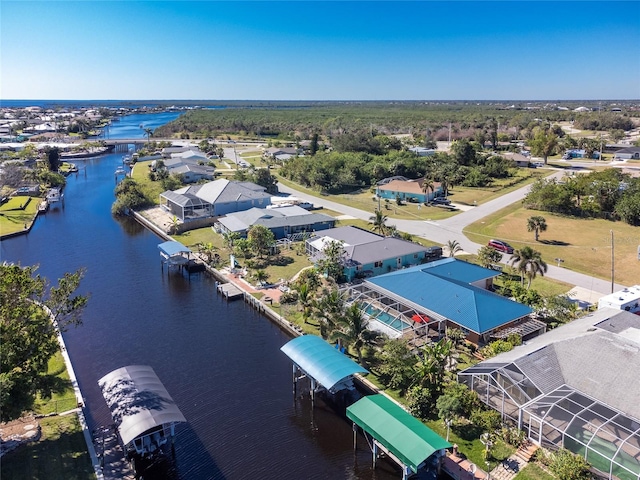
401	436
322	363
141	407
174	253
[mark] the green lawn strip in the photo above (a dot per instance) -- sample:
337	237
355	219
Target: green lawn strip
522	177
15	203
251	154
61	454
583	244
151	189
63	399
14	219
204	235
533	471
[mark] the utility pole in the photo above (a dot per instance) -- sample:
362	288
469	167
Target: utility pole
612	262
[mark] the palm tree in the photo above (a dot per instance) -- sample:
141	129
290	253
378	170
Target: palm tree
454	247
379	222
352	330
329	310
148	132
529	263
306	300
261	276
207	249
536	224
427	186
431	369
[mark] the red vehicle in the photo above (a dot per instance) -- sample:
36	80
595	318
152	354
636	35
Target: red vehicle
501	246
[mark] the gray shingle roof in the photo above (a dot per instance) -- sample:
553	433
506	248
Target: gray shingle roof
226	191
383	249
349	235
588	358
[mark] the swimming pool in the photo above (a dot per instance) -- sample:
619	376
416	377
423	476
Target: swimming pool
386	318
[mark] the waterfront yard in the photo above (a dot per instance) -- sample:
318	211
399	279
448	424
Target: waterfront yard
17	214
583	244
61	453
282	266
151	189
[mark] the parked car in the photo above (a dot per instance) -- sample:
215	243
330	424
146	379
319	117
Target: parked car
500	246
441	201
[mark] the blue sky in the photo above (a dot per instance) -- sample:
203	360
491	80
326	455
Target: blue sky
419	50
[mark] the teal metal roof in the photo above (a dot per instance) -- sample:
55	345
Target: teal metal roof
470	307
320	360
402	434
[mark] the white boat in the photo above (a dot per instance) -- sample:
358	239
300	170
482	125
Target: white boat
120	171
54	195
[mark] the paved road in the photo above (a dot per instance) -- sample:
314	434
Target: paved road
442	231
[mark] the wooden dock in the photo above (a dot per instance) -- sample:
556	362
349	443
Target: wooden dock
230	291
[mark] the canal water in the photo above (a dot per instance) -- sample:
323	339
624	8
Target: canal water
221	362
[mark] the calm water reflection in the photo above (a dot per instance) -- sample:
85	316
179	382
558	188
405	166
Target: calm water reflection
220	361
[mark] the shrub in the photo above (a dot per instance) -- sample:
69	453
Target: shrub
568	466
420	402
289	297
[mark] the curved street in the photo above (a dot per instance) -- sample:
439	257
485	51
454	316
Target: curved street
442	231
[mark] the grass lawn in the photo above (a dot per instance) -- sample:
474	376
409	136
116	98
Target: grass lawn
522	177
583	244
16	213
251	154
533	472
285	265
62	400
365	199
61	454
151	190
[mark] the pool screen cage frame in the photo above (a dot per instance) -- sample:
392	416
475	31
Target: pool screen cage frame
403	310
563	418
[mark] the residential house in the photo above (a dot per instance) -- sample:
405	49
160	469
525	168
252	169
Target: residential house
366	253
407	190
518	158
575	387
213	199
423	151
628	153
280	153
191	165
446	293
283	221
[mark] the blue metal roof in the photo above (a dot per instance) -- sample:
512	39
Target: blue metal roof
172	247
470	307
452	269
320	360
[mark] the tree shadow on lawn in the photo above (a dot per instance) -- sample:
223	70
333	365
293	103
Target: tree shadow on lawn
280	261
467	432
558	243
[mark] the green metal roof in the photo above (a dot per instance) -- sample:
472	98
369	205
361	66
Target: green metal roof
320	360
402	434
